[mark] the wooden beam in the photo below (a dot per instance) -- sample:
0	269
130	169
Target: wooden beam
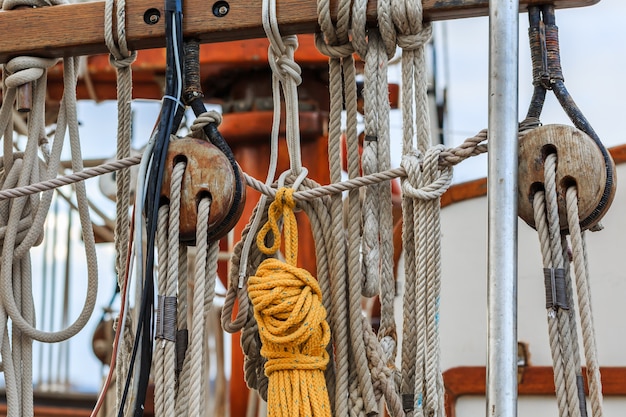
535	380
78	29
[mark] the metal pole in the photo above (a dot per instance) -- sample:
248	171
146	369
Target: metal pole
502	202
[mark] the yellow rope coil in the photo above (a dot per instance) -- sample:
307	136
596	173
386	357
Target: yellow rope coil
292	321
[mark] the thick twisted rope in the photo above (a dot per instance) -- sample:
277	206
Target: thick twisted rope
203	293
165	349
334	42
581	273
291	319
420	350
562	325
159	352
121	58
471	147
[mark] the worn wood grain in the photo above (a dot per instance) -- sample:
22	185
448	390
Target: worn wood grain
78	29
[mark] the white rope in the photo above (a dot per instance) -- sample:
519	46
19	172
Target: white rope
345	320
422	383
583	289
121	58
561	313
203	293
22	221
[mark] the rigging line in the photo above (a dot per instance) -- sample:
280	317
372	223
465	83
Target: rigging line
64	347
120	325
170	117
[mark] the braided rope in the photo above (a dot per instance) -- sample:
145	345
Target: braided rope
291	319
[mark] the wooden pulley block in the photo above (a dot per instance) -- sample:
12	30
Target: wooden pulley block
580	162
208	173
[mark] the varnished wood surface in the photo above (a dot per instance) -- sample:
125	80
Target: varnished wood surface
535	380
78	29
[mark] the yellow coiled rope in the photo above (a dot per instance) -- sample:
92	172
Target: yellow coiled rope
292	321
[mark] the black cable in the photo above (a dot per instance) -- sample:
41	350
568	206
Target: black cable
216	138
170	117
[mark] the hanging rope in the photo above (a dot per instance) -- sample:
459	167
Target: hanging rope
562	327
121	58
291	320
581	274
22	220
559	299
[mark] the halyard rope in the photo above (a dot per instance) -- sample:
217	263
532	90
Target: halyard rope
561	308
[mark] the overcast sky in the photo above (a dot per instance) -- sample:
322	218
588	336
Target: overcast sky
593	56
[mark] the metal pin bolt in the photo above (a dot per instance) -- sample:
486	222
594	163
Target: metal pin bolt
221	9
152	16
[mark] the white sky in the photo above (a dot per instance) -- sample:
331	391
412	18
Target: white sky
593	52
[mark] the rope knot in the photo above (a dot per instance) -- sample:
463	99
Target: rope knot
25	69
281	59
282	206
426	179
120	61
413	41
291	320
290	316
197	128
343	50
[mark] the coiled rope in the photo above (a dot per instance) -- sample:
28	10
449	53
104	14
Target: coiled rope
291	320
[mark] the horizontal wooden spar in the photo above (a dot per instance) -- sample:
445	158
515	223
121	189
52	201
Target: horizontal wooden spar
78	29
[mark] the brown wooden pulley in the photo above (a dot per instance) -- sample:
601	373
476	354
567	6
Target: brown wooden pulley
208	173
580	162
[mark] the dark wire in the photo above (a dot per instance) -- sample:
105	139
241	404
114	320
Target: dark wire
171	114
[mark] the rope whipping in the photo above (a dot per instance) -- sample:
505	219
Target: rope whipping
562	326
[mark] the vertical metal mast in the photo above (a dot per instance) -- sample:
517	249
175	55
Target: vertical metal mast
502	202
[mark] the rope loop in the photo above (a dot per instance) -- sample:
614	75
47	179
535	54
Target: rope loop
25	69
123	62
415	167
29	210
282	206
333	51
120	55
197	128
